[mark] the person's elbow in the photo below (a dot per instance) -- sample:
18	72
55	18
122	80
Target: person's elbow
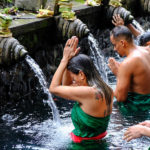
120	97
52	89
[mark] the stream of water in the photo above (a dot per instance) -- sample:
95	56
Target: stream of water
38	72
97	57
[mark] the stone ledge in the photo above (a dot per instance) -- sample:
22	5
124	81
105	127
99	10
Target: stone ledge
21	26
86	10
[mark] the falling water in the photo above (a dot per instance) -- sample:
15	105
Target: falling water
138	26
38	72
97	57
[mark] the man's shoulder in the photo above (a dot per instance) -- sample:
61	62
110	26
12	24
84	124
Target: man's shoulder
130	62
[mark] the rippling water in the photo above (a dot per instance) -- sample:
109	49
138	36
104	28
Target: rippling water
46	135
26	122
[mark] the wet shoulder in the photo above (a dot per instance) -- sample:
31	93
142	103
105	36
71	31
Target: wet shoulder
130	63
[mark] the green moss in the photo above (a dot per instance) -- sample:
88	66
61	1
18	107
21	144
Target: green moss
80	1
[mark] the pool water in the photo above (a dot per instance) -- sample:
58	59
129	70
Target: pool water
30	133
26	121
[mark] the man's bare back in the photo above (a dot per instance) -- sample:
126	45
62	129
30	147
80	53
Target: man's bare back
138	63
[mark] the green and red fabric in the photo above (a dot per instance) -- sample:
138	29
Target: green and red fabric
87	126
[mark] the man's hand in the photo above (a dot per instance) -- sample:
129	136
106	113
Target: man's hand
113	65
117	20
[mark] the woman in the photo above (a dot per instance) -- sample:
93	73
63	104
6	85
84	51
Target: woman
82	83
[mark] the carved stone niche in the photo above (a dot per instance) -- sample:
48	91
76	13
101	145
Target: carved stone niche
32	5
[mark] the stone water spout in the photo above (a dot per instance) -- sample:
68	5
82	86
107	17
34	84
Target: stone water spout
145	6
137	6
69	28
125	14
11	50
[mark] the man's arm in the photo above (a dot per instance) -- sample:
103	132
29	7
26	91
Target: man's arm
134	31
123	81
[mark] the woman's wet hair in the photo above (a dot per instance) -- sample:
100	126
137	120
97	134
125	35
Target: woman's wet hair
83	63
144	38
122	31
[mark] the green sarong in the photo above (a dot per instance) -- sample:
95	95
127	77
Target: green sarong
86	125
136	102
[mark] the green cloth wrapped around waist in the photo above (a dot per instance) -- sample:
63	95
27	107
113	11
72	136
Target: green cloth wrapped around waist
136	102
86	125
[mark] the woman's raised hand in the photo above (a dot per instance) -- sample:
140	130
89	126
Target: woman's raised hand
70	49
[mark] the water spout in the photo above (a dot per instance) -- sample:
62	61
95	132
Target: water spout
125	14
11	50
145	5
69	28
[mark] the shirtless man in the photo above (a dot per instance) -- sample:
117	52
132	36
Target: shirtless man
143	128
133	74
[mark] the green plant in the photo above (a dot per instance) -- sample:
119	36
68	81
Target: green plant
10	1
5	1
9	10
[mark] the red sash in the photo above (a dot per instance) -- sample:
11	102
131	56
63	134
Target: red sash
78	139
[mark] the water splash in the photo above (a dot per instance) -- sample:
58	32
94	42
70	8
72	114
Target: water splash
97	57
138	26
39	74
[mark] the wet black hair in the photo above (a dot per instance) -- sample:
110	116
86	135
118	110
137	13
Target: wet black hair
122	31
144	38
82	62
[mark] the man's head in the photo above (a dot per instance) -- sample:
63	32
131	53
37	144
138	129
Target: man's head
121	38
144	39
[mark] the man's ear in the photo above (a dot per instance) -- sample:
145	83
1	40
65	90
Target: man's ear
147	43
123	42
82	75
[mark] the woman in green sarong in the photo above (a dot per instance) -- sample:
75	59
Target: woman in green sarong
76	78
